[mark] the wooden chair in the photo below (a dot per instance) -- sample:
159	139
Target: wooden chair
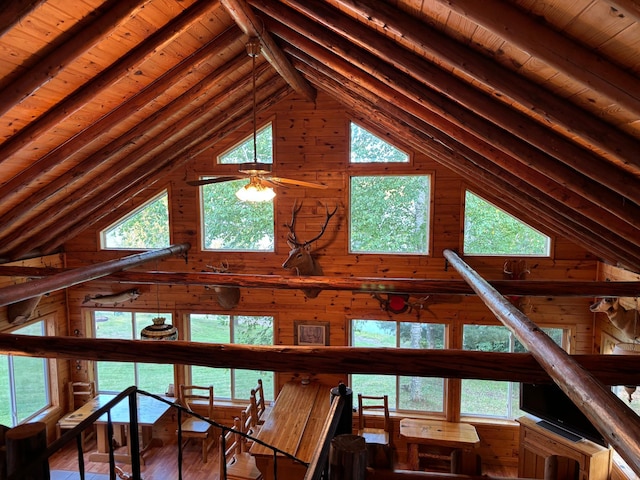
259	407
78	393
192	397
378	439
240	464
248	425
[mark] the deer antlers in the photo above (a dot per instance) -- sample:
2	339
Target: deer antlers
291	238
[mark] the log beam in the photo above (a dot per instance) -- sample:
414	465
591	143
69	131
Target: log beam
566	55
514	367
617	423
539	101
446	115
252	26
22	291
481	172
532	288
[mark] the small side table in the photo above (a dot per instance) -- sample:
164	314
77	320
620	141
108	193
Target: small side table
461	438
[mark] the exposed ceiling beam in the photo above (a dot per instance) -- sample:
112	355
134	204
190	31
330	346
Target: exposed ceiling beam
22	291
516	367
542	104
58	55
536	288
252	26
514	156
105	79
53	158
556	216
589	68
166	161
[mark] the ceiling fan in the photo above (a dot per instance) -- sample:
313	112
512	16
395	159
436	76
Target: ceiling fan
259	188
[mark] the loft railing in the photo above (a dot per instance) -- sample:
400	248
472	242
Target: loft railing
315	468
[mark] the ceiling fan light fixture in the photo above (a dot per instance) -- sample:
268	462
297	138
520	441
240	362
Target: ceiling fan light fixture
255	191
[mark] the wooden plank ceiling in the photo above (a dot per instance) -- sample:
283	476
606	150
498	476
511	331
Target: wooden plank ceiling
537	103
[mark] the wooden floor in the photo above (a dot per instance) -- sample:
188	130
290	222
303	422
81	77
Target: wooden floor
161	463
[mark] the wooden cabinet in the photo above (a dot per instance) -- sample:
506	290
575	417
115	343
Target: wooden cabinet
538	445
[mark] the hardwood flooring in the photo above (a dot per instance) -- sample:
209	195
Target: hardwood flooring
161	463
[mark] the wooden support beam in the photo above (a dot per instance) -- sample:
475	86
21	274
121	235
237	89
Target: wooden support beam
23	291
252	26
613	419
64	50
13	11
446	115
531	288
482	172
105	79
508	84
490	108
16	185
514	367
564	54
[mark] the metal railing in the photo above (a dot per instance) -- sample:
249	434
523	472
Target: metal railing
315	468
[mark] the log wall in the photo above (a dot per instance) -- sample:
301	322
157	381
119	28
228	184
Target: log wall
312	144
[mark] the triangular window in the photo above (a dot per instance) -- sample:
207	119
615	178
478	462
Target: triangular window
146	227
491	231
243	152
369	148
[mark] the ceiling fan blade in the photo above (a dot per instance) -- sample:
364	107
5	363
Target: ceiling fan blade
288	181
208	181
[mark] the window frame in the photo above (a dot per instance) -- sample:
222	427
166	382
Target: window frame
92	323
48	371
102	234
403	172
373	131
395	408
567	345
463	219
268	392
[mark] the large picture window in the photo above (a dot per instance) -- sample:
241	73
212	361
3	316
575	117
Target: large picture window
24	382
488	398
232	383
389	214
405	393
114	377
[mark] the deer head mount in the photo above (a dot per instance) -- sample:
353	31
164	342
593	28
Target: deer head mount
300	257
516	270
227	297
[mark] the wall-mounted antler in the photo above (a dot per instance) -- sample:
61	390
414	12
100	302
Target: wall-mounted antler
228	297
300	257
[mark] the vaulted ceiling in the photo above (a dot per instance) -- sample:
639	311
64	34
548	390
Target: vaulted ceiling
537	103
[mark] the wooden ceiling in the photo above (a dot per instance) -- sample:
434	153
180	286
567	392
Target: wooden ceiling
536	103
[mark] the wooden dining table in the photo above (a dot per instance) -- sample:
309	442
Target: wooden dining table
294	425
149	411
438	433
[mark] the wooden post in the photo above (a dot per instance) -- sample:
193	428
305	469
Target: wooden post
23	443
617	423
348	458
